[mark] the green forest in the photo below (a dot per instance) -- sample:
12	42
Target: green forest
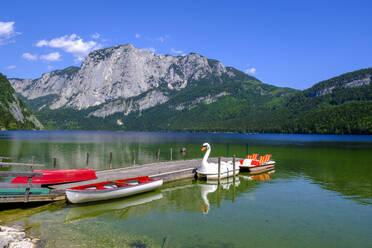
7	120
248	106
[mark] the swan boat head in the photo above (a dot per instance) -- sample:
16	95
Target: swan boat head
210	170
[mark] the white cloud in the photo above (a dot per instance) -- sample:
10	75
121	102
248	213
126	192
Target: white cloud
151	49
250	70
51	56
95	36
137	36
72	44
176	51
162	39
50	67
10	67
7	31
30	56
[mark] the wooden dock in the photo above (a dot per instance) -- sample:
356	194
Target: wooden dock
168	171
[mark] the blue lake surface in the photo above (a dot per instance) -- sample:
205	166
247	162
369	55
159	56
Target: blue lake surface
320	194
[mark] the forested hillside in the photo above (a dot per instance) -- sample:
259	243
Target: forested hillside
13	112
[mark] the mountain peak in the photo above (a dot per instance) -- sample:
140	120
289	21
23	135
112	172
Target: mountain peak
121	72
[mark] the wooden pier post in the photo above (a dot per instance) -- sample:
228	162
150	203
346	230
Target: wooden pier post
54	162
33	162
158	154
219	169
234	192
87	161
134	157
234	168
29	180
219	195
171	153
110	162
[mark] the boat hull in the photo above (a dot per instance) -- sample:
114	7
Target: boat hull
262	168
81	196
214	176
249	165
57	176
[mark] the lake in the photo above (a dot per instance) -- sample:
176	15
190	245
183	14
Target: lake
320	194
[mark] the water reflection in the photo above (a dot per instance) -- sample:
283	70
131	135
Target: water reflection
121	206
212	186
264	177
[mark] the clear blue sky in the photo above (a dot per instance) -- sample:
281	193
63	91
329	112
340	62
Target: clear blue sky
284	43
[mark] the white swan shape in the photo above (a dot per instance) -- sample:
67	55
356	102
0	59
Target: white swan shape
210	170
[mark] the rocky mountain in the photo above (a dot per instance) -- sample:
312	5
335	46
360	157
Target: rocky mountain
124	88
13	112
121	82
111	75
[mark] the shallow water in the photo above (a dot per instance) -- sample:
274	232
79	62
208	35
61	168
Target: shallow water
320	194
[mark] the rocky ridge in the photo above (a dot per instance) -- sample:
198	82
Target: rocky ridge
108	77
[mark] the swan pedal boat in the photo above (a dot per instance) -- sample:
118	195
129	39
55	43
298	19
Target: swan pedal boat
210	170
112	189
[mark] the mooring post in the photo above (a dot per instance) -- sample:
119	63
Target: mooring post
234	168
218	195
134	157
110	162
227	150
158	154
33	162
171	153
29	181
54	162
87	161
219	169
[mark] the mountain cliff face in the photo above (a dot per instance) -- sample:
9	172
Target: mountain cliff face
118	73
13	112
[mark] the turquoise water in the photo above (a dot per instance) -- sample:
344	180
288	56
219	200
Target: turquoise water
320	194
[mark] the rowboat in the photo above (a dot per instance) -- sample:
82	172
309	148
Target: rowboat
112	189
56	176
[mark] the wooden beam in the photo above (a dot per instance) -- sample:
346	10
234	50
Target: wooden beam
21	164
32	198
18	186
19	174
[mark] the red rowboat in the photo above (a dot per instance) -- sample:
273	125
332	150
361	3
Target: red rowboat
55	176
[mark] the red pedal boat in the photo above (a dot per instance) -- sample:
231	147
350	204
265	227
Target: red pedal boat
56	176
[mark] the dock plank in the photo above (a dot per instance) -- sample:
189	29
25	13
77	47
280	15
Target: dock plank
18	186
169	171
20	164
19	174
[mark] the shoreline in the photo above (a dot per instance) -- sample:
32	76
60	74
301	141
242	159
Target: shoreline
16	237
